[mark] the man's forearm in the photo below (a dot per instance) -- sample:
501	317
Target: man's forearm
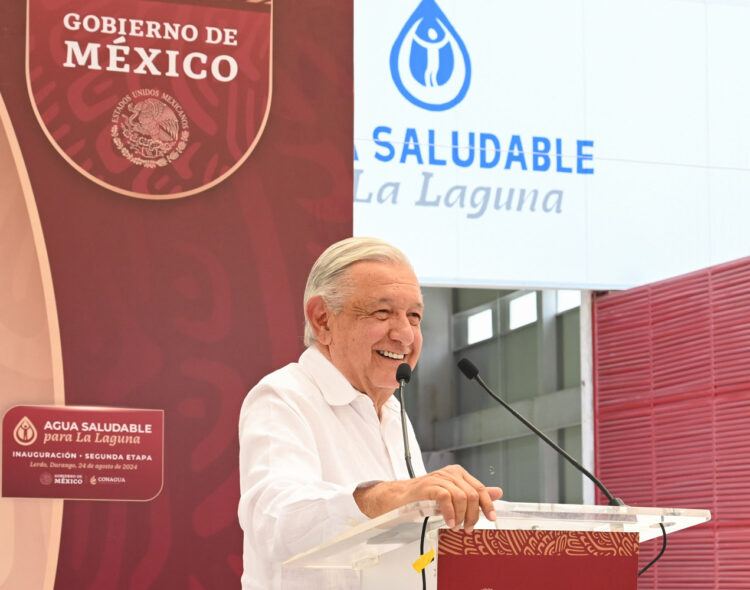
459	495
381	497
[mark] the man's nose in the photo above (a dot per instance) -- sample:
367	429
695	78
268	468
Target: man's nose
401	329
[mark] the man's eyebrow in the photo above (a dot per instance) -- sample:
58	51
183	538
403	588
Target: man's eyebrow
389	301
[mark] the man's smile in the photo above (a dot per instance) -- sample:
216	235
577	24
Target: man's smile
391	355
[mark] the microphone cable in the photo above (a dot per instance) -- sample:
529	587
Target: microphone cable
421	551
663	549
403	376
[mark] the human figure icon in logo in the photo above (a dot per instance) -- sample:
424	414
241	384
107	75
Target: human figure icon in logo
430	64
432	46
24	432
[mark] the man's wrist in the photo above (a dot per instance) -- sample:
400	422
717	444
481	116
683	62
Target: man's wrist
364	499
381	497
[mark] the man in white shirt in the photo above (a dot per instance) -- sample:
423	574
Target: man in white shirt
321	448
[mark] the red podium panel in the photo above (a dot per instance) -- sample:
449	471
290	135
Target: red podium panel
536	560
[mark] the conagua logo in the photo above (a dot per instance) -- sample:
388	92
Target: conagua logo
24	433
150	128
429	61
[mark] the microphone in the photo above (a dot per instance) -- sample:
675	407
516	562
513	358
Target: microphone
472	373
403	376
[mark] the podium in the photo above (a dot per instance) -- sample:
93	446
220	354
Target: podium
529	546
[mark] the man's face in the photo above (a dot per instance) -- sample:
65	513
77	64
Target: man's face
378	327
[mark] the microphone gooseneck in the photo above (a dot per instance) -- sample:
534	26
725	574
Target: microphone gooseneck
472	373
403	376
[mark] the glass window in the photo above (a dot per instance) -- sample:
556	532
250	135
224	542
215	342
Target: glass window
522	311
568	299
479	326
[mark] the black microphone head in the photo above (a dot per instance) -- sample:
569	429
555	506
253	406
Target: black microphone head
468	368
403	373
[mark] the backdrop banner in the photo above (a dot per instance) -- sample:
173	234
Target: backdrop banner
82	453
599	147
171	171
192	81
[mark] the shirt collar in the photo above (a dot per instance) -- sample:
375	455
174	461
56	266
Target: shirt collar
392	405
334	387
336	390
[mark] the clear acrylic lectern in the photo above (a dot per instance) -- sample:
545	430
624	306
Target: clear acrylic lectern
384	548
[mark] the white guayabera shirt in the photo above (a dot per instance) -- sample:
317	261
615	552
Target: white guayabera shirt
307	439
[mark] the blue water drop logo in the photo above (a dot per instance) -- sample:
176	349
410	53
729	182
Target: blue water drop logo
429	62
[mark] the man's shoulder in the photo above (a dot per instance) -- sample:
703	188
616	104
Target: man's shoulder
293	381
288	380
310	384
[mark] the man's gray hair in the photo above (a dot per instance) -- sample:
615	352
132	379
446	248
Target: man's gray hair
329	277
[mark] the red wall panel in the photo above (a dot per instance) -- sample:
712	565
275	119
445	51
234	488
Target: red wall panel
672	416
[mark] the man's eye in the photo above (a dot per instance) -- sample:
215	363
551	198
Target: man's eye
415	319
382	314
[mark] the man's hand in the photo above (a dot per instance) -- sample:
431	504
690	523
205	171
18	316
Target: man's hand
459	495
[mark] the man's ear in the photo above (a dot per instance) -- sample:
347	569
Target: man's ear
319	314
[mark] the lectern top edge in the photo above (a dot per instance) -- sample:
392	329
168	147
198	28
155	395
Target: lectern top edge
368	541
